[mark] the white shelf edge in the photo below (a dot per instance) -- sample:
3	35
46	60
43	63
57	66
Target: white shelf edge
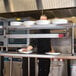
33	36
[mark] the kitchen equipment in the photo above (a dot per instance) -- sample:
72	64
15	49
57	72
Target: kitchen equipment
15	23
28	23
59	21
43	22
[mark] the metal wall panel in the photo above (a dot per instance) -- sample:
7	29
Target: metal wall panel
2	7
22	5
51	4
16	70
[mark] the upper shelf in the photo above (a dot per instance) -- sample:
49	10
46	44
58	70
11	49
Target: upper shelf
35	36
49	26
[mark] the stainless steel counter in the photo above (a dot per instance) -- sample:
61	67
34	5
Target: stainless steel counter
16	54
20	55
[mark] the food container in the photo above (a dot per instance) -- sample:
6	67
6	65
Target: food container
59	21
28	23
15	23
43	22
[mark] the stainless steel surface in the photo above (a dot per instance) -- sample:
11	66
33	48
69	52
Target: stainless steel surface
28	66
52	67
11	62
28	38
24	5
73	39
36	67
6	4
53	4
2	6
61	56
35	27
28	5
47	26
35	56
16	70
33	36
16	45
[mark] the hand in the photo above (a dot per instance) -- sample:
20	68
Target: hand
29	47
52	50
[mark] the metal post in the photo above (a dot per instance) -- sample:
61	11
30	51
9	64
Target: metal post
28	66
36	67
11	62
52	67
72	42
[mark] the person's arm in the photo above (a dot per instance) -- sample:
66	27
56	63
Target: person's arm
32	44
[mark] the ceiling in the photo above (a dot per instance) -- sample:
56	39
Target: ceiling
34	8
50	13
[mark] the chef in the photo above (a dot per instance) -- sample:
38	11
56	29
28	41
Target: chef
43	45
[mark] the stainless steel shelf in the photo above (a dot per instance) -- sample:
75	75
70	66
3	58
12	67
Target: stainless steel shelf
61	56
28	35
16	45
33	36
50	26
